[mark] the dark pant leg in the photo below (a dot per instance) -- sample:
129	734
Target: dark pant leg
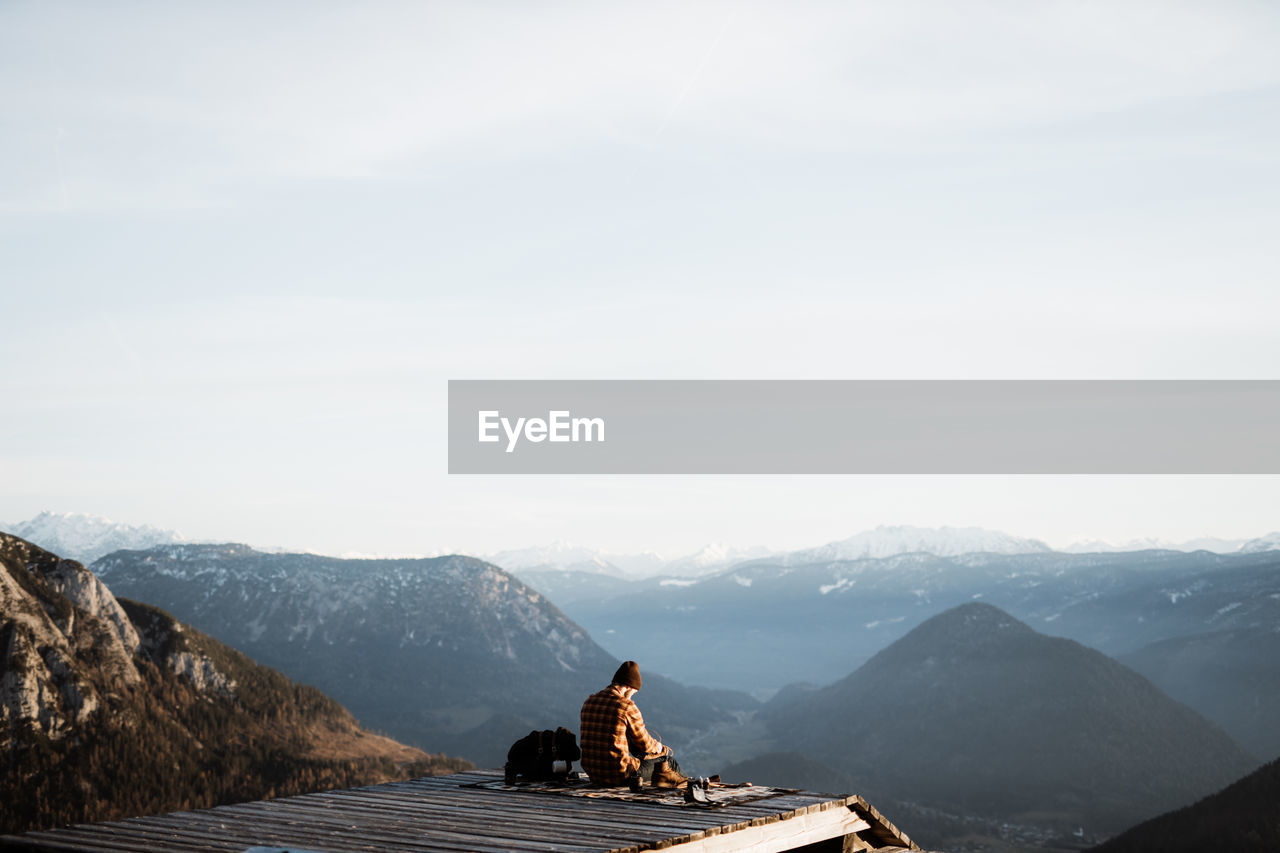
648	765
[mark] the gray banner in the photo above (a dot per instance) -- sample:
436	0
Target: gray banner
864	427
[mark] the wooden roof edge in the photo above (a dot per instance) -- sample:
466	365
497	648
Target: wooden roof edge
882	828
19	844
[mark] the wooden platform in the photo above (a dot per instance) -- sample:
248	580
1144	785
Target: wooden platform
464	812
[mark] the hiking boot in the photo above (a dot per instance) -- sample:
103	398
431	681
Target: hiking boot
665	777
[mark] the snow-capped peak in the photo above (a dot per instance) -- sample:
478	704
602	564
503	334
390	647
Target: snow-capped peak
565	556
717	555
559	554
1270	542
82	537
1203	543
888	541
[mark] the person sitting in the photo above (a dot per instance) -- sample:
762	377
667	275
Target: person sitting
616	746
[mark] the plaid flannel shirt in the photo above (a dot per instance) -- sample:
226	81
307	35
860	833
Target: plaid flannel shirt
613	734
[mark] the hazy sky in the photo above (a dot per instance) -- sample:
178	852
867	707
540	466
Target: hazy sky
243	247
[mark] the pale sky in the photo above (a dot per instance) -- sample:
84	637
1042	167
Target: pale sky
244	246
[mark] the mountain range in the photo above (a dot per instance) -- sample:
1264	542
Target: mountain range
889	541
451	653
771	619
87	537
882	541
111	708
761	624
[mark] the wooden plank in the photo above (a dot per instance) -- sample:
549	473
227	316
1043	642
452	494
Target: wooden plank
100	842
417	812
583	811
543	800
371	826
550	804
430	821
351	840
238	837
594	836
882	830
573	816
153	836
244	834
25	843
311	830
425	820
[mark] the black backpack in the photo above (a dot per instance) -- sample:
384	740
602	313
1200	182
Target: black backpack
533	758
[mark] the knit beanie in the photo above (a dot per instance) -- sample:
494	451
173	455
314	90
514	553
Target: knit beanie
628	675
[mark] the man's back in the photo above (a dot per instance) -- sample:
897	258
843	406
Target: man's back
612	736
